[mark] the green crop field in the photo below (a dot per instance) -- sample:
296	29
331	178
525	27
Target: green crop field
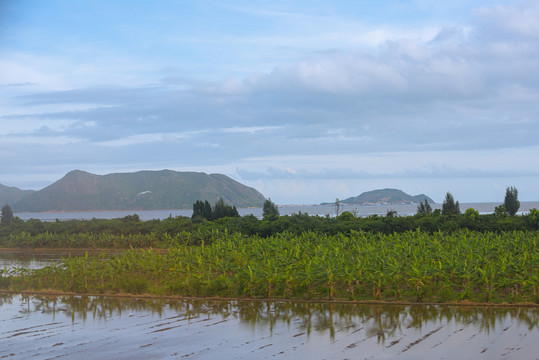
409	266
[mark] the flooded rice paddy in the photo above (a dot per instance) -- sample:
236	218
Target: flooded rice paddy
37	327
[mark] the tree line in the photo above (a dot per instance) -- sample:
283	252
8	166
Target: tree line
222	216
130	231
202	210
450	207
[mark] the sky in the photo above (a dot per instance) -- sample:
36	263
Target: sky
306	101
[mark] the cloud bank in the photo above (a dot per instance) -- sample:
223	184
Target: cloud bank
352	103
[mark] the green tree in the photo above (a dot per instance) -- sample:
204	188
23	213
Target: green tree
424	208
270	210
221	210
7	214
450	207
533	218
202	209
500	211
471	214
511	200
346	216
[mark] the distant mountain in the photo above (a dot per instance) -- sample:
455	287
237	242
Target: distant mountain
386	196
10	195
143	190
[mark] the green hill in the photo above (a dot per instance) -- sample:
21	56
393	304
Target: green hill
143	190
386	196
10	194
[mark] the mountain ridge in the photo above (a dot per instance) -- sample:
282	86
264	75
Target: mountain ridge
12	194
142	190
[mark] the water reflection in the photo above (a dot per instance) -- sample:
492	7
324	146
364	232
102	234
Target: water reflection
37	259
29	260
101	327
380	321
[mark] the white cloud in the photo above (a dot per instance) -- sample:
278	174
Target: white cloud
306	97
40	73
149	138
512	20
249	129
17	141
440	164
30	125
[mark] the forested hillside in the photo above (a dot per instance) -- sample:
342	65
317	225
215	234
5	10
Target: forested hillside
143	190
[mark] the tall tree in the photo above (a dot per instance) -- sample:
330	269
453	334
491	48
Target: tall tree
424	208
450	207
221	210
270	210
202	209
197	209
511	200
7	214
207	210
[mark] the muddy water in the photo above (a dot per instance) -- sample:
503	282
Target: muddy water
36	259
111	328
31	260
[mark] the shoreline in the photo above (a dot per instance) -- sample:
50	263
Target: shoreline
75	250
372	205
464	303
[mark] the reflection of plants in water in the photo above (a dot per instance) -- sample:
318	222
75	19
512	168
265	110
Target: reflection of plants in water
6	300
385	321
418	316
25	305
381	321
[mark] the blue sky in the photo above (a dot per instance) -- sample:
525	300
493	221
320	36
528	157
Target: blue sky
306	101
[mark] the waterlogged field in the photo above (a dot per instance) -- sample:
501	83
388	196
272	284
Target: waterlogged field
10	259
34	327
412	266
37	259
